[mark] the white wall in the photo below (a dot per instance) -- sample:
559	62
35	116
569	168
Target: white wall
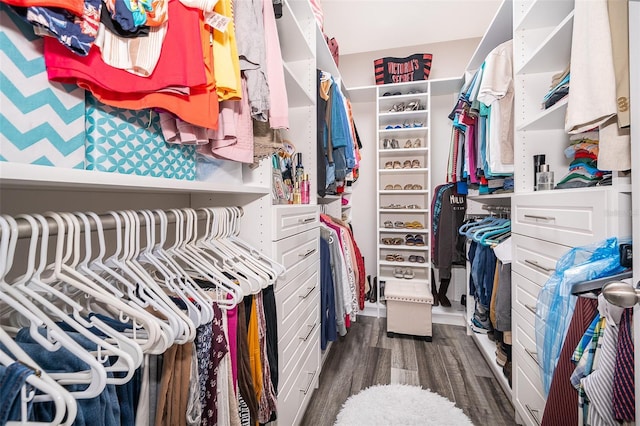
363	199
449	60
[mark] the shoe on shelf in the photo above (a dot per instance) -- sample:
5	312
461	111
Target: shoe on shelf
410	240
406	164
408	144
394	142
415	164
399	107
398	273
477	327
408	274
388	165
417	143
386	144
412	106
418	240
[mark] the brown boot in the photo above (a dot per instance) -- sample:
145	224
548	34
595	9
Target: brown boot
442	292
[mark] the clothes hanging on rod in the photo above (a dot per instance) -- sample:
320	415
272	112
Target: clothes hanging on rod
111	320
489	256
347	275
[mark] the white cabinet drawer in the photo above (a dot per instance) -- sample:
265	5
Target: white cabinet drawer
572	218
291	220
535	259
524	297
300	330
297	253
524	350
297	389
295	299
529	403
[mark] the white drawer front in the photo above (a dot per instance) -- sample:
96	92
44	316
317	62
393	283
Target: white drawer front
296	296
524	297
297	389
291	220
535	259
301	329
570	218
525	353
528	401
297	253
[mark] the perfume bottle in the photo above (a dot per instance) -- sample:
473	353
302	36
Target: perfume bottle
297	199
544	178
304	189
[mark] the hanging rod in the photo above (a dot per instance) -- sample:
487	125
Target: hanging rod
490	208
108	222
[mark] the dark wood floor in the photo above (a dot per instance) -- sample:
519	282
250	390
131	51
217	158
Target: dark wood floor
450	365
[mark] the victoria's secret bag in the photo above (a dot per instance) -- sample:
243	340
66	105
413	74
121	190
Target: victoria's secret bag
400	70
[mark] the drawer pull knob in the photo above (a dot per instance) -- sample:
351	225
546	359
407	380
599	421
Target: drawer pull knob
533	355
306	389
307	253
534	413
307	220
533	216
531	308
305	338
308	293
539	266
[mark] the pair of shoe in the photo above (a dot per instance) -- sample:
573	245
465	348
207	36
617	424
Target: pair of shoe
408	164
392	165
390	144
418	259
391	187
399	107
414	187
394	258
406	273
414	240
398	206
392	241
413	105
480	325
392	94
413	144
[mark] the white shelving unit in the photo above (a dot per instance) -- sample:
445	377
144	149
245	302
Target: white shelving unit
403	161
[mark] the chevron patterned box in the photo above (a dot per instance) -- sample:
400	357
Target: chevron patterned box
40	122
131	142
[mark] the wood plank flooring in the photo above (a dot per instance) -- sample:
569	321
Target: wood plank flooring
450	365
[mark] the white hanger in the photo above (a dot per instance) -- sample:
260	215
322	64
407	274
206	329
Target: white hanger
221	241
203	268
247	283
198	305
96	376
31	285
166	335
139	291
49	389
145	328
186	329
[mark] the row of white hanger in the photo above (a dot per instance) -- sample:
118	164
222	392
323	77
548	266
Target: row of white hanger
131	285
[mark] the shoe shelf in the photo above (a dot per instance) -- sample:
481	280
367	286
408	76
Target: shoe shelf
403	158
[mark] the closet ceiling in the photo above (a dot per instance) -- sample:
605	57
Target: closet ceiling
368	25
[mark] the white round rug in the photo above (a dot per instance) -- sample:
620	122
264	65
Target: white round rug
400	405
